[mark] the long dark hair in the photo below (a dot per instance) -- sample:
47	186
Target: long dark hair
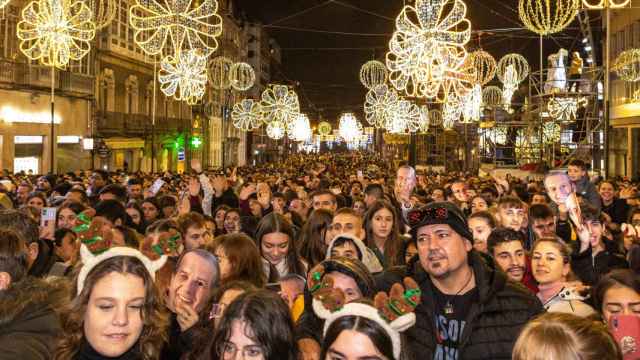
622	277
393	244
371	329
267	320
244	256
312	246
276	223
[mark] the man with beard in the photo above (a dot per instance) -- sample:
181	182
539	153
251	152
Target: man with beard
506	246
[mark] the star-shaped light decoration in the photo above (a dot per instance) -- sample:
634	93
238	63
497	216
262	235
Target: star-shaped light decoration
427	42
379	100
55	32
403	118
279	103
565	109
180	23
184	77
247	115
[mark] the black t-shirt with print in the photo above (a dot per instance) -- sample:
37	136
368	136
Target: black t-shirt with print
450	325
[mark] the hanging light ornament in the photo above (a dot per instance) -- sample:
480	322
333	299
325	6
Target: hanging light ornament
565	109
551	132
279	103
627	65
184	77
377	104
349	128
300	129
324	128
547	17
472	105
276	130
55	32
602	4
491	97
104	11
519	63
373	73
510	86
184	25
219	72
435	118
451	113
247	115
485	66
424	119
241	76
427	42
403	118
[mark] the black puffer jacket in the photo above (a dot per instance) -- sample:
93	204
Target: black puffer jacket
492	325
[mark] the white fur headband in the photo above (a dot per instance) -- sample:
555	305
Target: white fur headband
89	261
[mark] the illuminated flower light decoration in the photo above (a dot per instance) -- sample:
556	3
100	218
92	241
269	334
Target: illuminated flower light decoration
349	128
378	101
55	32
427	43
551	132
601	4
491	97
179	22
247	115
373	73
300	129
545	17
220	72
104	11
184	77
403	118
279	103
485	66
451	112
424	119
565	109
472	105
627	65
275	130
241	76
435	118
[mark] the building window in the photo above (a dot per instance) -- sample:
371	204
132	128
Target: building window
107	99
131	100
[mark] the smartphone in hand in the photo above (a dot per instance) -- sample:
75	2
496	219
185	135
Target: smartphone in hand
48	223
626	331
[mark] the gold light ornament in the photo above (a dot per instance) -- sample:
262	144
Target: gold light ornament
602	4
472	105
219	72
527	146
378	101
104	11
485	66
300	129
435	118
565	109
247	115
519	63
279	103
547	17
184	77
429	39
491	97
276	130
241	76
324	128
424	119
451	112
403	118
169	27
56	31
349	128
551	132
373	73
636	96
510	86
627	65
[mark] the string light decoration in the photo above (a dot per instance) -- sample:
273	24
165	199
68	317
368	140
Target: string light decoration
435	118
181	23
551	132
241	76
602	4
219	72
279	103
491	97
55	32
247	115
424	119
565	109
527	147
455	83
485	66
349	128
324	128
300	129
636	96
451	112
403	118
545	17
519	63
627	65
510	86
104	11
472	105
185	77
427	41
378	101
373	73
276	130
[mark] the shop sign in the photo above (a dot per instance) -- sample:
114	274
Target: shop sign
181	155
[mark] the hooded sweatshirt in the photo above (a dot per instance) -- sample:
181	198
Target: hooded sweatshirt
369	258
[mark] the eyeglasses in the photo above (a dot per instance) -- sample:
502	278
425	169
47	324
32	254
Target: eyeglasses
228	350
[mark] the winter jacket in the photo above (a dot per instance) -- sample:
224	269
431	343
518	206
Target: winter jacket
590	269
29	322
568	301
492	325
179	342
45	260
588	191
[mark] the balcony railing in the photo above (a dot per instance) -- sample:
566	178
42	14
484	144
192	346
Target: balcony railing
123	124
35	76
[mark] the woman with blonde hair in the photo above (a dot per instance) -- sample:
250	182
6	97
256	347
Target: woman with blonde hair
565	337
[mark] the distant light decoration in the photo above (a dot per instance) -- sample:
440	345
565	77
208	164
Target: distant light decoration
527	145
520	65
275	130
247	115
510	86
602	4
565	109
636	96
349	128
627	65
472	104
324	128
491	97
495	135
485	66
241	76
545	17
300	129
4	3
219	72
178	22
279	103
373	73
196	142
551	132
451	112
403	118
424	119
184	77
104	11
378	101
435	118
55	32
426	43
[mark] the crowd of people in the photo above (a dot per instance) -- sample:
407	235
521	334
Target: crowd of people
321	257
